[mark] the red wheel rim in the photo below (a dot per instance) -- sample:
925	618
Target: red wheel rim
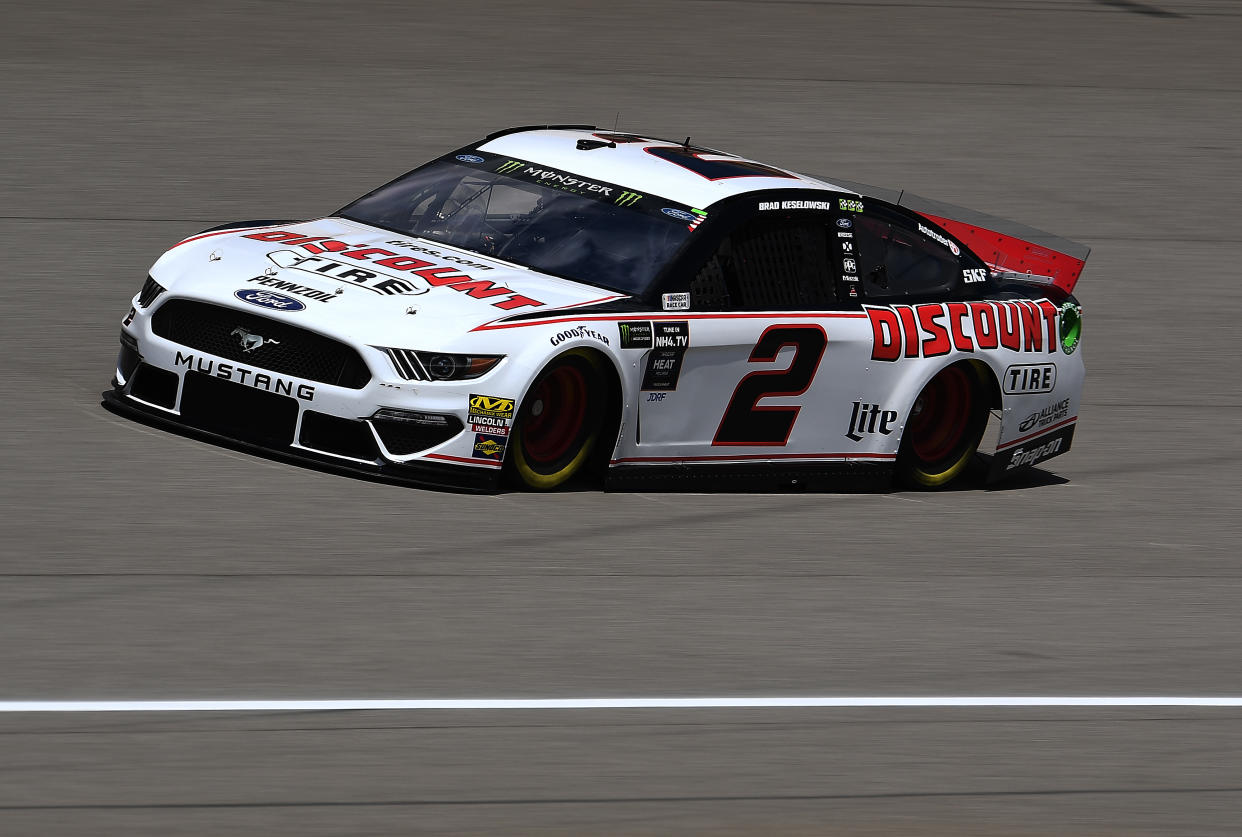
939	416
557	411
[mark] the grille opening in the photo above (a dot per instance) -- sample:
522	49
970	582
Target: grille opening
127	360
402	438
150	290
332	434
154	386
238	411
285	348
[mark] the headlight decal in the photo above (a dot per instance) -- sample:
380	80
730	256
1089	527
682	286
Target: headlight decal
414	365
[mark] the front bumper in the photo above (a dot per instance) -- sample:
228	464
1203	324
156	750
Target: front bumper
333	427
421	474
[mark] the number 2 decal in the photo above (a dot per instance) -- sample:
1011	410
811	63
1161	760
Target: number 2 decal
744	421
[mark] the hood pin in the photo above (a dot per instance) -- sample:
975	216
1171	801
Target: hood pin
213	256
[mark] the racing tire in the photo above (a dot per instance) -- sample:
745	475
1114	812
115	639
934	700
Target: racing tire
558	423
945	427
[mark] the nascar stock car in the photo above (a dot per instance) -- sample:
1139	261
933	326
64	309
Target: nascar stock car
563	300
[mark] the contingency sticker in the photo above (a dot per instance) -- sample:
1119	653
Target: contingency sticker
491	415
489	447
635	335
670	341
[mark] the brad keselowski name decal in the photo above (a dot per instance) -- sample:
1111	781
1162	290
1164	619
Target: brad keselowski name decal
415	273
936	329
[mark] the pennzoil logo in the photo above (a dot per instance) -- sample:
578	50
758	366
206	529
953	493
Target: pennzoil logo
488	405
508	166
628	199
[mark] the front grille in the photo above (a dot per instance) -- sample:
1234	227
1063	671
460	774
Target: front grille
150	290
285	348
407	364
239	412
127	360
402	438
332	434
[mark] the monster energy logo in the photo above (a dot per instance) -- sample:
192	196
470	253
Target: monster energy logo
636	335
628	199
508	166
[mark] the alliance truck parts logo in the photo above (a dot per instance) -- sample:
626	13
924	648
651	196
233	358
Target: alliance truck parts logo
935	329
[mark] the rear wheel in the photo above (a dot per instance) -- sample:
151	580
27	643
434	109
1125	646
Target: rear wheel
558	423
945	427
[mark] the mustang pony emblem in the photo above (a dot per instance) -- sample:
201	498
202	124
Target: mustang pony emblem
250	341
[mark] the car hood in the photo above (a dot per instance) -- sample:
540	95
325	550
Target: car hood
361	283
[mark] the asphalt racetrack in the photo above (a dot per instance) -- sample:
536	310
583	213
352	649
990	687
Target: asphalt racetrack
141	565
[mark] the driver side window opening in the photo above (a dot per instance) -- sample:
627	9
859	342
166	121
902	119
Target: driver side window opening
895	261
768	264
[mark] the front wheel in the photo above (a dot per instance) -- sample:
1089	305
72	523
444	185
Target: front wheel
945	427
558	423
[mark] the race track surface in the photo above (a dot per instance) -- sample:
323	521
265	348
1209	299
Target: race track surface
138	564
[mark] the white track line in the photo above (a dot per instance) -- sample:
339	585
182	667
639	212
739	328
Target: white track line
608	703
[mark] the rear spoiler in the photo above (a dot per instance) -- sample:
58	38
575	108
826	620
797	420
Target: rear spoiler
1006	246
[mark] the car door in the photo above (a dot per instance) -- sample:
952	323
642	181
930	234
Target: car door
762	363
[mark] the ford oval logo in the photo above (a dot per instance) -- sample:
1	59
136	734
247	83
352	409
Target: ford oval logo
844	223
680	214
268	299
470	158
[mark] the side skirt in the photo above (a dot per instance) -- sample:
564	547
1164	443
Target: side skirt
759	477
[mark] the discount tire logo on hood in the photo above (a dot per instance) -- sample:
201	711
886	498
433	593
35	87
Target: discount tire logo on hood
412	275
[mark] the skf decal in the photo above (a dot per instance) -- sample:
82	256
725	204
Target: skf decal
430	273
936	329
489	447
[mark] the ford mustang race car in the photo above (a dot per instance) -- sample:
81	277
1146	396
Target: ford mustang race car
564	301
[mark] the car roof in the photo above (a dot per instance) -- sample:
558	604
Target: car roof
628	164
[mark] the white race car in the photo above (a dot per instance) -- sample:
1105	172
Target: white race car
565	301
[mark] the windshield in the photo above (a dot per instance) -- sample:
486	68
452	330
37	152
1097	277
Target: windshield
547	220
